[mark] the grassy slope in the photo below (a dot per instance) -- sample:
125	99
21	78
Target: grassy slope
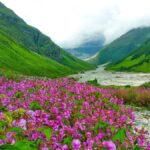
123	46
138	61
17	58
33	39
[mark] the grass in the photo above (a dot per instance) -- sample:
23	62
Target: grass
16	58
138	61
140	64
32	39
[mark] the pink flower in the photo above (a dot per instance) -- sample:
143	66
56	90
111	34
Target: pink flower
54	110
2	142
31	113
34	135
65	147
44	148
21	123
109	144
148	146
76	144
11	137
88	134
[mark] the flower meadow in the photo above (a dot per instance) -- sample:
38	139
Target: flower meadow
63	114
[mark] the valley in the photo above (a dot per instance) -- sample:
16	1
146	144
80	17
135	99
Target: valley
54	98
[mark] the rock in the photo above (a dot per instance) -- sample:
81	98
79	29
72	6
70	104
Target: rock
143	120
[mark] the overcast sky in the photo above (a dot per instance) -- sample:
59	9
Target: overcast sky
70	22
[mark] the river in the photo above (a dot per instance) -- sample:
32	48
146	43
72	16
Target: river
105	77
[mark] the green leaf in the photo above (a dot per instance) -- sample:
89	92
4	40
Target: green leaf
46	131
68	141
3	123
26	145
136	148
65	121
78	102
102	125
120	135
17	130
31	90
34	105
96	128
112	129
8	147
19	94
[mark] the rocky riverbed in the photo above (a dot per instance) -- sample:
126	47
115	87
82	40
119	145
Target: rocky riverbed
105	77
143	120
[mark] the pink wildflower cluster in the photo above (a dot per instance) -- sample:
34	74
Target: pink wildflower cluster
63	114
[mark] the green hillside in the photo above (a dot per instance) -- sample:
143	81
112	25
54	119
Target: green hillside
17	58
138	61
31	38
123	46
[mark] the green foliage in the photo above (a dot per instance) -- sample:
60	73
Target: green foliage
19	94
9	74
102	125
120	135
146	85
34	105
31	90
68	141
78	102
2	124
3	108
136	148
21	145
27	145
9	147
93	82
17	130
112	129
46	131
18	113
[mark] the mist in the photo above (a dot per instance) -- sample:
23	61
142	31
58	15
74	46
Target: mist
70	23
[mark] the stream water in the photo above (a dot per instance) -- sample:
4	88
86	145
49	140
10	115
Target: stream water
105	77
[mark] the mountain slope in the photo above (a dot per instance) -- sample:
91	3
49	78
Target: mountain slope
123	46
17	58
31	38
138	61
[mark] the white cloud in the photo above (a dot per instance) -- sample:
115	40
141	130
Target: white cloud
68	22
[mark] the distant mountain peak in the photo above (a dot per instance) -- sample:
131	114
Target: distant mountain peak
89	46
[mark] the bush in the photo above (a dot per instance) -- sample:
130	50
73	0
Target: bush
134	96
93	82
146	85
